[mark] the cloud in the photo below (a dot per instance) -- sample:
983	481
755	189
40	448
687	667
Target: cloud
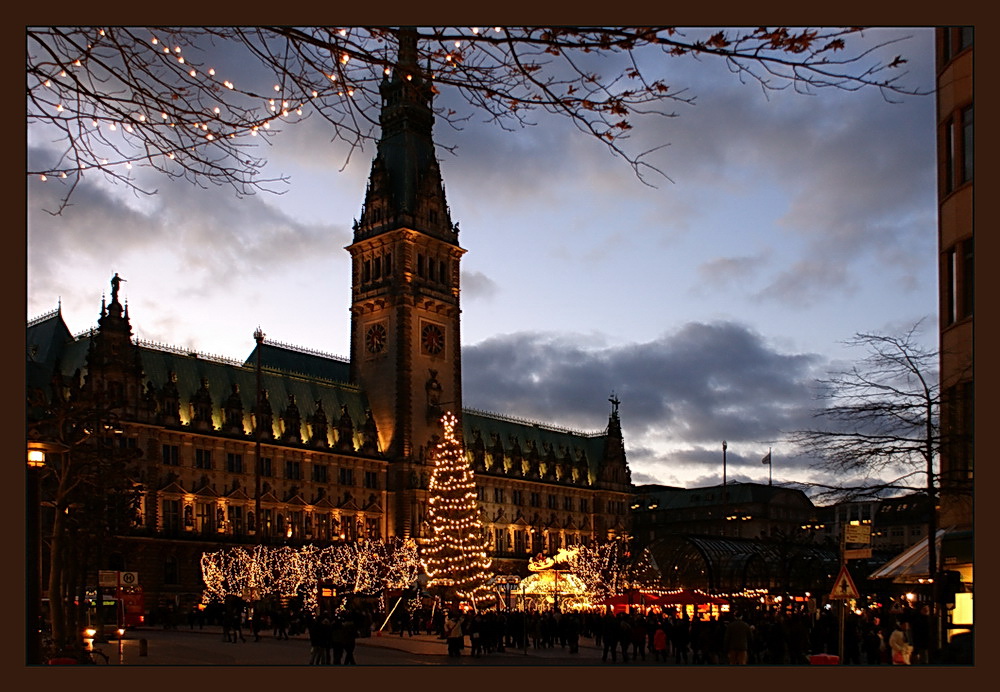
477	286
681	394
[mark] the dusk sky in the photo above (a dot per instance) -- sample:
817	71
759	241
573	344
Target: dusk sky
709	304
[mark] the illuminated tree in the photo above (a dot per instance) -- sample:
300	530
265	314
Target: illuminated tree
609	569
360	567
189	102
454	556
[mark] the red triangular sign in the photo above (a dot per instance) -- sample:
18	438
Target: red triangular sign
844	586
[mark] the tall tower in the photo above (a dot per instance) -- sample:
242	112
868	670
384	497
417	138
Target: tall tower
405	339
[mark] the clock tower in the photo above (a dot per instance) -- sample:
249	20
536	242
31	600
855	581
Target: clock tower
405	339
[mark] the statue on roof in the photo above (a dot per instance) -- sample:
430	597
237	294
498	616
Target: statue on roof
115	283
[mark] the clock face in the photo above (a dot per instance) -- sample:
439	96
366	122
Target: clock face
432	338
375	338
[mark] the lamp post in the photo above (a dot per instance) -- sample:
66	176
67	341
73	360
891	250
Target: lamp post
33	553
725	497
258	336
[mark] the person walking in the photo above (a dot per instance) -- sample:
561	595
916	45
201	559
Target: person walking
454	635
736	641
350	640
899	642
660	644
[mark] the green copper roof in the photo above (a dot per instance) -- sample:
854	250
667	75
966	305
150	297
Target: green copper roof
592	444
294	360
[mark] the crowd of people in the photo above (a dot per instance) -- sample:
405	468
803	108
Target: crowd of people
896	635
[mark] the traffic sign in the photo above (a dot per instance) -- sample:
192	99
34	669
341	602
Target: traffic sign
857	553
129	578
844	586
857	533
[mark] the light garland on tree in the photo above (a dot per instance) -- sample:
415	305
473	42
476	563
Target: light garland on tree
360	567
455	556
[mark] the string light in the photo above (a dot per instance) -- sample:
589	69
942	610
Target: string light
285	571
455	555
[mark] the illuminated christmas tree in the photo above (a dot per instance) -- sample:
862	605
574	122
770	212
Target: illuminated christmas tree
454	556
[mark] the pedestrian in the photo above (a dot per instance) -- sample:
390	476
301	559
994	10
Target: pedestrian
660	643
315	642
453	633
680	632
920	633
350	640
899	642
609	634
337	640
736	641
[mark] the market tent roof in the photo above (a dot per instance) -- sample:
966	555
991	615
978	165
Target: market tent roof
690	597
911	564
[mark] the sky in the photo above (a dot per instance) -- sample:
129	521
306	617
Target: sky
709	303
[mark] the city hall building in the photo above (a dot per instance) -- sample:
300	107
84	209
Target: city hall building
343	445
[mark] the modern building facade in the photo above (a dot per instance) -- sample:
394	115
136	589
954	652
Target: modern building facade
294	445
956	284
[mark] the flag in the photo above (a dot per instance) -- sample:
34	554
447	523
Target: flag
767	459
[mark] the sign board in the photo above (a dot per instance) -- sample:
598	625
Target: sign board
857	553
844	587
858	533
110	577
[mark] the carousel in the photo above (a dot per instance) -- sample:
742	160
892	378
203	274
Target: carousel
552	584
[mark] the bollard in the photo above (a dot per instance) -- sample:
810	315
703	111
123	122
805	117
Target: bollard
143	647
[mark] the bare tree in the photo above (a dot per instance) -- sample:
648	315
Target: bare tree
89	490
882	426
880	419
195	102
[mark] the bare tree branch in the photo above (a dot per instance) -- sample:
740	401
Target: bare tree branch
114	99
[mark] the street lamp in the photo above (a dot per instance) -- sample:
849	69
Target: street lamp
33	552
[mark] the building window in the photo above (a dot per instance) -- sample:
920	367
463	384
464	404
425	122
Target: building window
319	473
967	148
535	500
203	458
267	521
520	545
265	467
500	540
517	497
171	571
583	504
234	462
552	502
555	542
568	503
235	517
498	494
171	455
371	480
373	528
346	476
171	515
204	517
